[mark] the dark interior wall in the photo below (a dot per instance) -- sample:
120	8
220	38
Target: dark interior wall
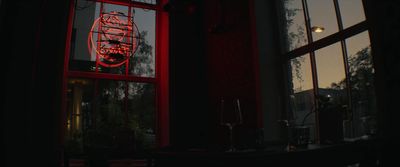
35	33
232	66
272	76
17	109
188	74
384	21
211	57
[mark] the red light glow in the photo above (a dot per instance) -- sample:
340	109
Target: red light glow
116	39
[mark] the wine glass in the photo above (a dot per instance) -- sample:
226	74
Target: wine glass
231	116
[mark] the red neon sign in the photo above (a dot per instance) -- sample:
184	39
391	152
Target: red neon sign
113	38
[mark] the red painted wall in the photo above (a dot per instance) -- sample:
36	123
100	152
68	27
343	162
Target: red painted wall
232	64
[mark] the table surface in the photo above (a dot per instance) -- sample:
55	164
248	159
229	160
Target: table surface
313	155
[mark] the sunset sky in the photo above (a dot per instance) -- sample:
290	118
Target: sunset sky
330	66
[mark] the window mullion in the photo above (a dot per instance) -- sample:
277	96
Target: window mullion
331	39
345	59
338	15
128	21
313	69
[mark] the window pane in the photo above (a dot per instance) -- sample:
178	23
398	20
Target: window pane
330	66
301	100
113	13
352	12
117	116
80	59
332	91
79	111
143	61
91	36
110	105
362	84
301	73
111	133
322	14
294	24
142	114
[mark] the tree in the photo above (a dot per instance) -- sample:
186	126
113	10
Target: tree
294	35
142	61
361	78
107	114
141	114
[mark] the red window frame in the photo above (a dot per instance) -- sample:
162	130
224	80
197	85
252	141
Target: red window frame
161	79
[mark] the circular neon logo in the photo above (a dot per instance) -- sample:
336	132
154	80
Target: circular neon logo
114	37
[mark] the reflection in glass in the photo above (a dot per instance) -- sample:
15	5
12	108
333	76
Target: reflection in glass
142	114
362	84
80	59
322	14
143	61
79	104
294	25
79	111
352	12
301	99
110	105
117	117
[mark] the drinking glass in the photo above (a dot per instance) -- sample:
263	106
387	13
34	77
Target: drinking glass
231	116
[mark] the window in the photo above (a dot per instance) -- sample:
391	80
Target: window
327	48
115	76
321	14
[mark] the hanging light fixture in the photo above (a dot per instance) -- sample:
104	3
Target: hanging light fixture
317	29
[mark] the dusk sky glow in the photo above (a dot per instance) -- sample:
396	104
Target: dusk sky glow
329	60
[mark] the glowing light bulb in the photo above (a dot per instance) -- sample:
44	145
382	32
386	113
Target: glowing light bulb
317	29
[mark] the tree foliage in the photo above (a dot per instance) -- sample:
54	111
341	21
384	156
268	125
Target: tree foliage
295	36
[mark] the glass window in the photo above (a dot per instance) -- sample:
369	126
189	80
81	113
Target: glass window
112	31
362	84
104	41
332	92
111	102
78	115
322	14
343	69
80	104
142	114
143	61
301	99
330	66
295	28
301	73
80	59
351	11
98	110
